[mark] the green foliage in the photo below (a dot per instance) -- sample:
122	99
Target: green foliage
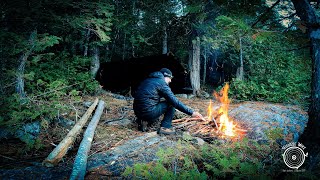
48	79
275	69
96	17
243	159
175	163
274	72
44	41
60	74
240	160
275	134
227	33
231	26
15	114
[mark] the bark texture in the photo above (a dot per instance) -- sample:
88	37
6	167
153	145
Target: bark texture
308	14
80	163
165	41
194	64
95	63
59	151
20	71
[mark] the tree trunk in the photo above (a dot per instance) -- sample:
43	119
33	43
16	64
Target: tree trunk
311	135
165	41
240	73
86	45
314	110
80	164
194	64
124	46
205	65
95	63
59	151
20	71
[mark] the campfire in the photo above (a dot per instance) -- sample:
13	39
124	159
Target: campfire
217	122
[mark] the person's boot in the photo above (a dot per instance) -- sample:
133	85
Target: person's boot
142	125
166	131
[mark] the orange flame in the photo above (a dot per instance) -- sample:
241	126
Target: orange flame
226	125
210	110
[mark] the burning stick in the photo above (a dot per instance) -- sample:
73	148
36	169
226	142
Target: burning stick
243	131
215	123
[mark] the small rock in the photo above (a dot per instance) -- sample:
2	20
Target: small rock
190	96
205	94
29	131
199	141
123	122
182	96
67	123
87	104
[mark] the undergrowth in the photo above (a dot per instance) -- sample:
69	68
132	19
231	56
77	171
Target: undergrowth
220	159
53	86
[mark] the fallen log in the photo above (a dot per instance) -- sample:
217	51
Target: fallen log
80	164
59	151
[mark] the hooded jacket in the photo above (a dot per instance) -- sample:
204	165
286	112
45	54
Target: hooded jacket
151	90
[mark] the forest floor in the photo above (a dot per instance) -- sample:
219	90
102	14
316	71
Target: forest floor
15	154
116	126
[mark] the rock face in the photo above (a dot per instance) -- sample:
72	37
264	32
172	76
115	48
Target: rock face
260	117
26	133
138	150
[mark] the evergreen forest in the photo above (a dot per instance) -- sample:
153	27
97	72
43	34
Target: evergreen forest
266	50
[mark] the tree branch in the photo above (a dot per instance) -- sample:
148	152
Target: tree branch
265	13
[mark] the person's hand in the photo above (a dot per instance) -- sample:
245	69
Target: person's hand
198	115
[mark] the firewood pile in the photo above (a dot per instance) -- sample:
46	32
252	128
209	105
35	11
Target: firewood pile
207	129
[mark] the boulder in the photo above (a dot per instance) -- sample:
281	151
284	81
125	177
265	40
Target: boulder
138	150
259	118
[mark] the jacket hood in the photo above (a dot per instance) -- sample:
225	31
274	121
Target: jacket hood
157	74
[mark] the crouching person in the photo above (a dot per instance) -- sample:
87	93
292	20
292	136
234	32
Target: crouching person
148	107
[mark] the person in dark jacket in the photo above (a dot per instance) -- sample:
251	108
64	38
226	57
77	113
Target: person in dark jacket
148	106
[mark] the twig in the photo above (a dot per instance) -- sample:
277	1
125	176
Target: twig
185	120
204	127
116	144
76	113
119	119
8	157
185	124
105	144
